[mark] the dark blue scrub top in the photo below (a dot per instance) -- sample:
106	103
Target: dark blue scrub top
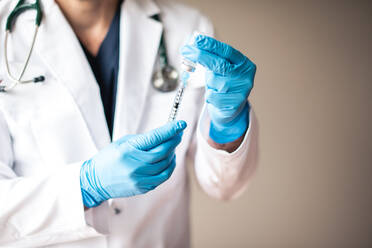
105	67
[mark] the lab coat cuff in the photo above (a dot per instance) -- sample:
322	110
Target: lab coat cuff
221	174
66	222
97	217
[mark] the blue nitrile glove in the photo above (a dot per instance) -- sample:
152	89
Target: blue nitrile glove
229	77
133	165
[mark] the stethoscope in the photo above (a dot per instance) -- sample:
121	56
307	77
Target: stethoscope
165	79
21	7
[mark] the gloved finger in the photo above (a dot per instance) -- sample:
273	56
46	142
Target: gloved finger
147	188
229	100
216	82
155	168
219	48
158	153
164	150
234	84
209	60
162	176
157	136
124	139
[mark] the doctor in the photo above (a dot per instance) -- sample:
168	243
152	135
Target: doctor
85	157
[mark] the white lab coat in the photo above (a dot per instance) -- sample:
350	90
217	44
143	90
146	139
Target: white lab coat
47	130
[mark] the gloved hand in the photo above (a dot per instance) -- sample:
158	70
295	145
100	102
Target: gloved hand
229	80
133	165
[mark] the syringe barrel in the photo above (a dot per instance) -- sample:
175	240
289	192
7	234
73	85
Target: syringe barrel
176	103
188	67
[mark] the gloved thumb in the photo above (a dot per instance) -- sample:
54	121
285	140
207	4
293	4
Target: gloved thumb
157	136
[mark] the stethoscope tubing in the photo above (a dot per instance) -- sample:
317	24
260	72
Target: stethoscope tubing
25	65
167	84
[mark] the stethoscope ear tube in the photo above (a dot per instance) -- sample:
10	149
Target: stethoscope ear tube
21	7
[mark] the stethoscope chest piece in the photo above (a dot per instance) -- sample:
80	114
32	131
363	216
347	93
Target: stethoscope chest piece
165	79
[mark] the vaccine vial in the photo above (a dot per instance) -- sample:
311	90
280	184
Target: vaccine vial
188	66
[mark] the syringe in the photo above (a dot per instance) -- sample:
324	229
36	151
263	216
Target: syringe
187	67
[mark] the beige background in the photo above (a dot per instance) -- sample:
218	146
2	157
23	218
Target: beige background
313	98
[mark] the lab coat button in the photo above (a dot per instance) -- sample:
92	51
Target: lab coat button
117	211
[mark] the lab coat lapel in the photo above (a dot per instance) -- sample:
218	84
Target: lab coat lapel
139	43
61	51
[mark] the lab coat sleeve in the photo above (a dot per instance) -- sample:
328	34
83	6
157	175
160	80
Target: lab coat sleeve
39	211
224	175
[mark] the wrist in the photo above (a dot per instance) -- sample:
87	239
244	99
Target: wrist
228	147
230	131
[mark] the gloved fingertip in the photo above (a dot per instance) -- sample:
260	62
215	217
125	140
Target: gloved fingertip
198	39
181	125
187	49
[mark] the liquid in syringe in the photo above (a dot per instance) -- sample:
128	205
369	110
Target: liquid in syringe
187	68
